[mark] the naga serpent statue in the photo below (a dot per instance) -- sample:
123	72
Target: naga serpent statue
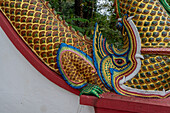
141	68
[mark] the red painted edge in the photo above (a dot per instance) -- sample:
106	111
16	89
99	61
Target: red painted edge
31	57
159	51
112	103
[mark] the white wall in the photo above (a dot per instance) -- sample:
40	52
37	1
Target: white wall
24	90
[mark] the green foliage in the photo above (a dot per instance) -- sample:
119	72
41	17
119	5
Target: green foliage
85	24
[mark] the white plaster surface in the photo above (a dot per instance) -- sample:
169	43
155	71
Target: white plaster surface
25	90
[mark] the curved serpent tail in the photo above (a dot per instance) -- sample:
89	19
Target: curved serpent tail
43	31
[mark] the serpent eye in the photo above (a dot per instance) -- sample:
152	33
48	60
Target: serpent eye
119	61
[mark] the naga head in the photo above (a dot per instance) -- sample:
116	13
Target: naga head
116	66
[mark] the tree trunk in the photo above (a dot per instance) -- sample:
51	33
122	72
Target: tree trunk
79	8
60	8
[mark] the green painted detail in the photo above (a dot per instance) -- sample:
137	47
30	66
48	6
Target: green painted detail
142	75
165	57
118	5
30	41
165	75
129	81
142	17
142	5
163	81
139	28
159	13
155	43
160	88
149	18
137	76
157	18
127	6
132	86
146	56
144	40
168	61
147	80
141	81
164	33
152	85
168	79
151	39
153	13
160	77
135	81
162	44
149	6
155	34
150	67
161	70
162	23
139	11
168	23
147	44
166	6
151	28
158	58
146	62
129	1
155	72
138	87
166	68
158	39
154	79
140	23
162	64
148	34
43	48
135	3
146	11
155	8
141	34
146	1
37	48
157	66
133	9
158	84
50	47
91	89
159	28
145	29
167	28
166	86
44	55
163	18
145	87
148	74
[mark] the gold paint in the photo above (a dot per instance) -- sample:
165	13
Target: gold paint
163	13
43	38
160	77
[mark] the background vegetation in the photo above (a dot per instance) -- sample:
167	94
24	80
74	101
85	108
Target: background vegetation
83	14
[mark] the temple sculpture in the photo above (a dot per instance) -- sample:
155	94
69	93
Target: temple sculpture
141	68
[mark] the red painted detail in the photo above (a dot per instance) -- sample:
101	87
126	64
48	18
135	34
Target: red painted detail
103	110
31	57
114	103
159	51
